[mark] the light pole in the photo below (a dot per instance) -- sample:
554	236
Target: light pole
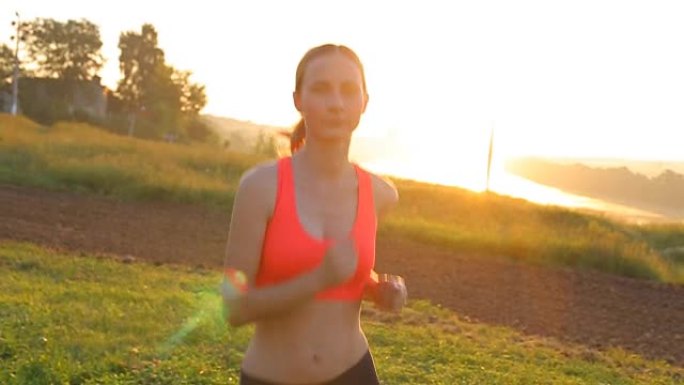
15	73
489	155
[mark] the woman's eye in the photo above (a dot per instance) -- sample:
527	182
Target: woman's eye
350	89
320	88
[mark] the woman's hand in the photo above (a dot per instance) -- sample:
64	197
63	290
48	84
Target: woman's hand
339	263
234	284
390	292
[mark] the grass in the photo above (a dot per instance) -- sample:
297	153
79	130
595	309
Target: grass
499	225
82	158
79	319
78	157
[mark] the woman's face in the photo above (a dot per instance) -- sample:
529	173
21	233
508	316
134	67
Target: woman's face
331	97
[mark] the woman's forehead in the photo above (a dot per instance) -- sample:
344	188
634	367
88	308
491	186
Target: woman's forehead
333	67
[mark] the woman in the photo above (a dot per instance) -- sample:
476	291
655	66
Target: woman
303	234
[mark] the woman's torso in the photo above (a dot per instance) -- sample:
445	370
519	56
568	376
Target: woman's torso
322	338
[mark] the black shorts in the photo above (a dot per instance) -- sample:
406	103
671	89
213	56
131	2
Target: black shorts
362	373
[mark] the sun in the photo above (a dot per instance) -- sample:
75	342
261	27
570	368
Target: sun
440	153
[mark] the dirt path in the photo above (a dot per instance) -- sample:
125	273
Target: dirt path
593	309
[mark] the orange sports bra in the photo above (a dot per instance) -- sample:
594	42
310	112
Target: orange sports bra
288	250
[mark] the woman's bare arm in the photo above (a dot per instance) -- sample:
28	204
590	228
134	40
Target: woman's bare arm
252	208
386	197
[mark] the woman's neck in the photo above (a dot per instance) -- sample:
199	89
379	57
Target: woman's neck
325	160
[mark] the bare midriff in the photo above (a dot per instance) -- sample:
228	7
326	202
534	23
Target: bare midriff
313	343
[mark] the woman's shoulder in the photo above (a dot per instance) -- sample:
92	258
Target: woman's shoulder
385	193
260	182
262	173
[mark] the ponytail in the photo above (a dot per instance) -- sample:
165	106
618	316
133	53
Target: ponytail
298	135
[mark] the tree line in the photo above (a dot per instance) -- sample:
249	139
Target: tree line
152	98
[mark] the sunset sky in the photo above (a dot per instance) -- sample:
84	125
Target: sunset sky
569	79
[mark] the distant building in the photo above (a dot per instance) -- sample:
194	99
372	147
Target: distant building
5	101
90	97
49	98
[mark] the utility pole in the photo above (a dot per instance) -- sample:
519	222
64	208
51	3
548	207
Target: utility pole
15	73
489	157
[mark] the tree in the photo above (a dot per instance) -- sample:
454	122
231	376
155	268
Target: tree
162	100
193	97
6	64
69	51
158	97
139	59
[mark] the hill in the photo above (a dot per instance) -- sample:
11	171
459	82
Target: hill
662	193
244	136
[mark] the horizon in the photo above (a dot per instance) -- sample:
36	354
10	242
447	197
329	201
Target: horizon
559	158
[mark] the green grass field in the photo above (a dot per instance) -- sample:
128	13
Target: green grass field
78	157
80	319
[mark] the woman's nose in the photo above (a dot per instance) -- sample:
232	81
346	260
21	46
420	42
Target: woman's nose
335	101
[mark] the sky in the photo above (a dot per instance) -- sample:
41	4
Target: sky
598	79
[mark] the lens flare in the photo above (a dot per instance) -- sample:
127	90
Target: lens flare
212	306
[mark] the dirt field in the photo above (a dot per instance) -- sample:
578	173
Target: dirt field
594	309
